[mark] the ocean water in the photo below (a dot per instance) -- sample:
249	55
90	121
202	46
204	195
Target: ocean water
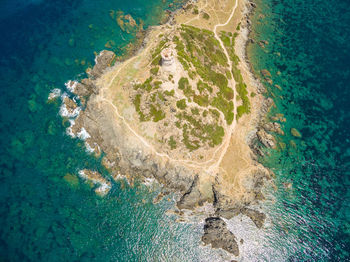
308	56
43	218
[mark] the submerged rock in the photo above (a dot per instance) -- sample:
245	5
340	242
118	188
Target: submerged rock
217	234
72	180
295	132
274	127
266	73
94	177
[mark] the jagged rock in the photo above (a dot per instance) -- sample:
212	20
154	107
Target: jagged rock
274	127
103	60
70	104
266	139
194	196
81	90
261	88
217	234
252	4
279	117
94	177
278	86
263	43
266	73
257	217
268	103
85	88
295	132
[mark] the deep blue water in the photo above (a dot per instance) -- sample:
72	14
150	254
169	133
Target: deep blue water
44	43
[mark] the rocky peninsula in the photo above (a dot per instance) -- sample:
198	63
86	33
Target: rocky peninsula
185	110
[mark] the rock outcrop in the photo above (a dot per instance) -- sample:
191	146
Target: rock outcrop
266	139
101	184
217	234
102	61
273	127
257	217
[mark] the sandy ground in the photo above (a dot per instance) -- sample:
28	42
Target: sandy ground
233	163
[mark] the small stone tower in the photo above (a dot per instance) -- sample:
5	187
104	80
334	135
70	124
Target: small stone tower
168	56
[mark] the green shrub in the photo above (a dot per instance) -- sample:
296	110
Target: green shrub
195	111
181	104
201	100
183	83
206	16
169	93
157	114
137	104
154	70
172	143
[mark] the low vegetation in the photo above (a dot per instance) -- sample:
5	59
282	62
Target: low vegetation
207	95
229	41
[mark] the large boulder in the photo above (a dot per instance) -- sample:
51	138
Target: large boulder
102	61
217	234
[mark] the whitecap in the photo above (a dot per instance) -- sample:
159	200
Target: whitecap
65	113
83	134
69	131
70	85
54	94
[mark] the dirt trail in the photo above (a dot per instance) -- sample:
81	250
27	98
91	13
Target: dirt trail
208	165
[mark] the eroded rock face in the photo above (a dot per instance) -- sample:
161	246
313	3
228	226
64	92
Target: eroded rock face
195	196
217	234
103	60
273	127
266	139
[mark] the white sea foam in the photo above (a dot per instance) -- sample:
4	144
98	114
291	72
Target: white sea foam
103	189
82	174
65	113
70	85
69	129
54	93
83	134
103	185
89	149
149	181
97	57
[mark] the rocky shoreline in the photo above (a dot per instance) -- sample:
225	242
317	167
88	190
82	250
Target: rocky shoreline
127	156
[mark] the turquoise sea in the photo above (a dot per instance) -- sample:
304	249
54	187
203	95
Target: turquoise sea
44	43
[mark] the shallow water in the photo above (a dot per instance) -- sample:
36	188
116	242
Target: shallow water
43	218
308	56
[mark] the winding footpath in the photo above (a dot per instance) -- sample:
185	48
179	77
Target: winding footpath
226	143
223	147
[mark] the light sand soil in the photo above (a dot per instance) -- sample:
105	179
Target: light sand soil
229	166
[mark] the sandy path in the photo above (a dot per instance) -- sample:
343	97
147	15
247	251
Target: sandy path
229	130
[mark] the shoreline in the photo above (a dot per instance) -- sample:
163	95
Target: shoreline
91	89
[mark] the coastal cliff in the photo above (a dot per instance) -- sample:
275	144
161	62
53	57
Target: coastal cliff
194	123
